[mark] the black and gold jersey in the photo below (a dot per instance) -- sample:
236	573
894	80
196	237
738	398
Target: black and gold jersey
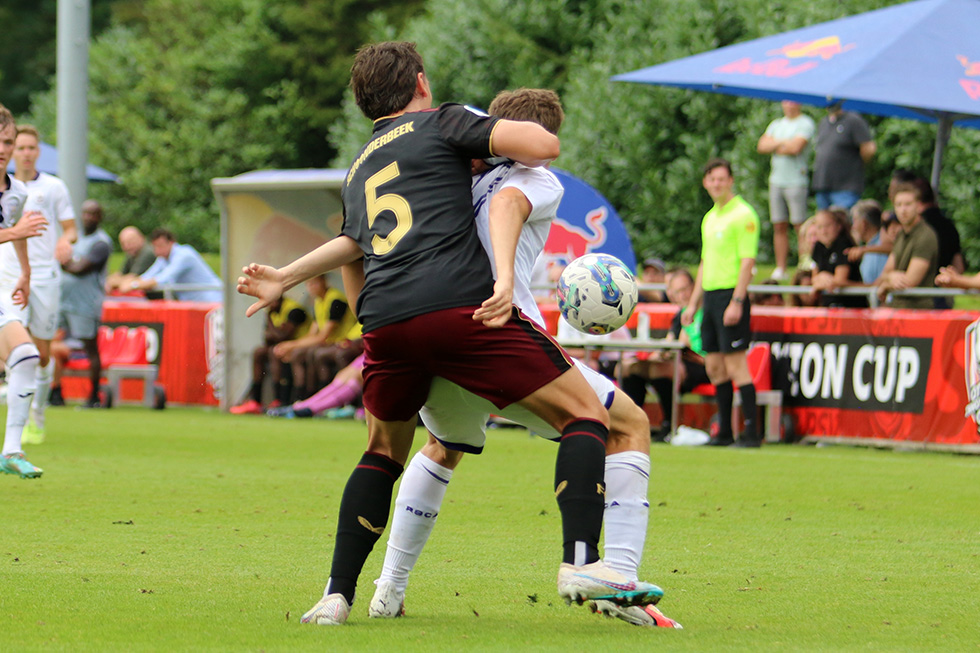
408	204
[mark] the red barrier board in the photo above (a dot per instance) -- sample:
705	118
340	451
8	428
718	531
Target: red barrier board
871	375
180	340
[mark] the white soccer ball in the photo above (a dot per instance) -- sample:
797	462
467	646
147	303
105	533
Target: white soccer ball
597	293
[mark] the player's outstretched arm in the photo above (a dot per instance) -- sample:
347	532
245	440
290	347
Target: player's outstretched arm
31	224
525	142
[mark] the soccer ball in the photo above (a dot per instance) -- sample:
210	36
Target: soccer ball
597	293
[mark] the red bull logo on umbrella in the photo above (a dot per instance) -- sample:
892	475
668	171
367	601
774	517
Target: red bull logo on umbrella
970	69
781	61
570	241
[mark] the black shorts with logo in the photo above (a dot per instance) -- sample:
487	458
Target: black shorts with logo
715	336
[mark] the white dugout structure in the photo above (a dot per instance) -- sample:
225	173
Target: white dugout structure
270	217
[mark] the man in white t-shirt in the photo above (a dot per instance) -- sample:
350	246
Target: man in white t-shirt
529	197
48	195
19	353
787	139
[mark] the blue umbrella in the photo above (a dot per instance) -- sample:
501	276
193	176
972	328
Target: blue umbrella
48	162
918	60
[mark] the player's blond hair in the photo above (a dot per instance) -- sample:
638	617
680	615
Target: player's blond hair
540	105
30	130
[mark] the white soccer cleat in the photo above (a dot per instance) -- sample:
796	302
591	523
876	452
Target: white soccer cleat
598	581
388	602
648	616
331	610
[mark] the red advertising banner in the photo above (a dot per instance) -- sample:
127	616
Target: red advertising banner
881	376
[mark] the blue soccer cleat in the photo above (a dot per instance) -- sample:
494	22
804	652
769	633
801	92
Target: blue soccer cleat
15	463
599	582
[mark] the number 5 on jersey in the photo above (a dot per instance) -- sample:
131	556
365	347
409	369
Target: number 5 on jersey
397	204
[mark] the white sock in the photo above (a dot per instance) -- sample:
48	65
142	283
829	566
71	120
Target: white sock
420	495
627	510
21	377
44	376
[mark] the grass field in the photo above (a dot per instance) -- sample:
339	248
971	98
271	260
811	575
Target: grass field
191	530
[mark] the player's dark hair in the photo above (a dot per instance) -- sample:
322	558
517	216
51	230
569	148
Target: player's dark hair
539	105
904	175
383	77
717	162
6	118
925	190
161	232
839	215
869	211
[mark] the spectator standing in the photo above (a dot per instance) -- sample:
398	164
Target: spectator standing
177	264
950	249
787	139
729	245
871	251
914	260
83	289
139	258
48	195
832	268
844	145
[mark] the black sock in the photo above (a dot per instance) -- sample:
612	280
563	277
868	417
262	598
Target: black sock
665	392
363	517
284	391
635	387
725	395
256	392
750	411
579	488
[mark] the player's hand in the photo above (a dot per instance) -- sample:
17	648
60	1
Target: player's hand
62	251
22	291
495	311
262	282
732	316
283	351
898	281
31	223
687	316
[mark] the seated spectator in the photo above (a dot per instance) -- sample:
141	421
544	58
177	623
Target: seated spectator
802	278
177	264
807	239
774	298
913	262
832	269
654	271
344	390
869	251
333	324
139	258
285	320
657	369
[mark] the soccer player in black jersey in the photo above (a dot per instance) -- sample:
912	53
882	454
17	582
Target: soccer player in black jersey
425	313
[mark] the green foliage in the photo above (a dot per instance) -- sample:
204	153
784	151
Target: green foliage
180	530
643	146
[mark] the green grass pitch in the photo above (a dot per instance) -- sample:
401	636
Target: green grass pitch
190	530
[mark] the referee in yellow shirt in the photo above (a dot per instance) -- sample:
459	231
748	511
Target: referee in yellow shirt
729	245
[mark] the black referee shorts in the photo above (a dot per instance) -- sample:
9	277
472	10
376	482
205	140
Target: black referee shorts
715	336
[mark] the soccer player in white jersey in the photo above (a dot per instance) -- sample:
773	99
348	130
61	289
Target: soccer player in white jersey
527	200
17	350
48	195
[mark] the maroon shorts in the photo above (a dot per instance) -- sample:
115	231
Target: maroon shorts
501	365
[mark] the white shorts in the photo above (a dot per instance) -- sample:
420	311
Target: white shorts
458	418
41	315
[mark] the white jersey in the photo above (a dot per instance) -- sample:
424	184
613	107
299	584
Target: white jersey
12	203
544	192
48	195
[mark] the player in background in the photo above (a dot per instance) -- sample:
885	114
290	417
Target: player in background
48	195
408	210
18	351
531	197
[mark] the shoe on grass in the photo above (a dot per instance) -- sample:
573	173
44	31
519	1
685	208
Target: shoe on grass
32	434
388	602
331	610
648	616
250	407
16	463
598	581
